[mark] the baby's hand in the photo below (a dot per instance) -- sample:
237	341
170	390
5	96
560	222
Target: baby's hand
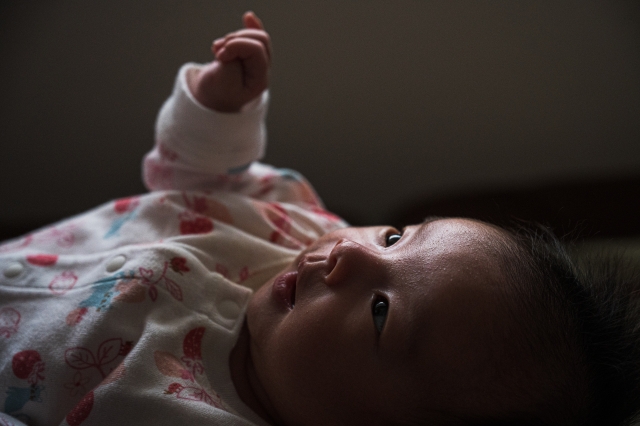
240	72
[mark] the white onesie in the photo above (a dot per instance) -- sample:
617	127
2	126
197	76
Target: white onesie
127	314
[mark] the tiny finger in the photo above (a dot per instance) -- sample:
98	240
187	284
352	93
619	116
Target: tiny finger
253	34
217	45
251	52
251	20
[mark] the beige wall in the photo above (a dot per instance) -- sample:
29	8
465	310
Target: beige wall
376	102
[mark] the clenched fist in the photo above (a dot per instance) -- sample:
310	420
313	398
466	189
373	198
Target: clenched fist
240	71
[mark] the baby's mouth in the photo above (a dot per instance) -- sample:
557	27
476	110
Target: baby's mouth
284	288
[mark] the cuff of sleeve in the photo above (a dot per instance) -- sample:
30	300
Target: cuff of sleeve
209	140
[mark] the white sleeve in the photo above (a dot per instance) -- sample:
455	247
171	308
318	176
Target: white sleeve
195	145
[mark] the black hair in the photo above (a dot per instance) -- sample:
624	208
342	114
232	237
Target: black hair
580	314
578	322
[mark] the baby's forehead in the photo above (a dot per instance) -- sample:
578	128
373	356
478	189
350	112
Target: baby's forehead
458	258
458	239
452	269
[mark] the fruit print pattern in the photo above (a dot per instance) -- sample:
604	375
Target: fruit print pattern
77	384
207	206
200	213
62	236
26	365
193	223
65	264
103	292
81	411
81	358
42	259
189	370
284	233
9	321
179	265
125	208
63	282
130	287
148	280
243	275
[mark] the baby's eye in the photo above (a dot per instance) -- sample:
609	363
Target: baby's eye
379	310
391	239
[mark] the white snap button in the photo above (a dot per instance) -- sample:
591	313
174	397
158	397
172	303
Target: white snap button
116	263
13	270
228	309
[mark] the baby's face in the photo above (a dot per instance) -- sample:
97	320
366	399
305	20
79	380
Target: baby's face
364	325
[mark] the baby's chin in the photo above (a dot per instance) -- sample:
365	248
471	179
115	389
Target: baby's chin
262	310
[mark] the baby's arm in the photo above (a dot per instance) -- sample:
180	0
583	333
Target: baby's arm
240	72
213	123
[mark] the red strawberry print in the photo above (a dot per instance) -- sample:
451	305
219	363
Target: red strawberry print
42	259
179	265
197	225
187	368
81	411
192	344
9	321
63	282
173	388
125	205
28	365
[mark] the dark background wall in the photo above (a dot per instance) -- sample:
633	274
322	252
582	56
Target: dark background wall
378	103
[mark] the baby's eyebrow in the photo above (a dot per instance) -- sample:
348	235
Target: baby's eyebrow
427	220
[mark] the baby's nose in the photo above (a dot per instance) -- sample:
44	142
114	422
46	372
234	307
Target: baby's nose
351	261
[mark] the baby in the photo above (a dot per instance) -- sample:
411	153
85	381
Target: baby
228	295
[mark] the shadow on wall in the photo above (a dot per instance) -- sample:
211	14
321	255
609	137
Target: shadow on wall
380	106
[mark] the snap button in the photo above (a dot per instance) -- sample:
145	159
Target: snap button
13	270
228	309
116	263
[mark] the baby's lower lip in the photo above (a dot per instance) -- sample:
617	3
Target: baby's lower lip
284	288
